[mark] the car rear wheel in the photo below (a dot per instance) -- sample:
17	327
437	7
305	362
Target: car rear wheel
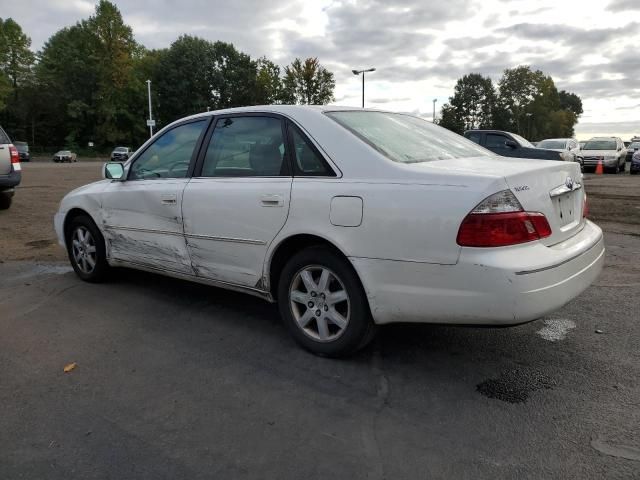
5	201
323	304
86	249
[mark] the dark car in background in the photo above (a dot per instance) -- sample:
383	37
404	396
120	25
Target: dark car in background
510	145
23	151
634	168
10	170
120	154
632	148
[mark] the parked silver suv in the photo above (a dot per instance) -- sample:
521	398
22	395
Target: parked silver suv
10	170
609	151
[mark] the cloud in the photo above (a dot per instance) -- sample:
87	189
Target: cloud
623	5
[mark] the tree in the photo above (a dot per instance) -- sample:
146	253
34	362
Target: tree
570	101
472	104
269	88
16	59
518	88
308	83
450	119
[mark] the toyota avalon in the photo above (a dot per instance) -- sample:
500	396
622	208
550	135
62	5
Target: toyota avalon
347	218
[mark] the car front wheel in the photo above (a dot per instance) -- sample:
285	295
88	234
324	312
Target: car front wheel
86	249
323	304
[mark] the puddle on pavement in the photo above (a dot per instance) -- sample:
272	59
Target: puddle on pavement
514	386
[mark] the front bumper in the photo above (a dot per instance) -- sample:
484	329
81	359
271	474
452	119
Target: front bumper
58	226
501	286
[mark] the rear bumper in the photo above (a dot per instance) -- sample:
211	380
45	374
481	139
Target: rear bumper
11	180
505	286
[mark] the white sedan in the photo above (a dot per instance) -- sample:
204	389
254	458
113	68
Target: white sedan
347	218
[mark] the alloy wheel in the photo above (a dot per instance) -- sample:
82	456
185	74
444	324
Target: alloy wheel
84	250
319	303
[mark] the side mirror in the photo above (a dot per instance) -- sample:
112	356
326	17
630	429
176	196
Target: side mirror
510	144
113	171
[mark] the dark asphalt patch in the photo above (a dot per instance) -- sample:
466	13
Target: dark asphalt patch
514	386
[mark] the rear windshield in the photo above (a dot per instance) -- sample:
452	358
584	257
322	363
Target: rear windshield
120	149
407	139
552	144
21	146
600	145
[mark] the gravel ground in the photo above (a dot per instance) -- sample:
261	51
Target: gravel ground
176	380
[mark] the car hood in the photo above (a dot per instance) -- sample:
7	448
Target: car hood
599	153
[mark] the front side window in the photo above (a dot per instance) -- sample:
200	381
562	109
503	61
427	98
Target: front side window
405	138
246	147
170	155
522	141
307	160
496	141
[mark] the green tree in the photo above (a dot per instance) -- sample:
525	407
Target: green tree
518	88
570	101
268	83
473	102
450	119
16	58
308	83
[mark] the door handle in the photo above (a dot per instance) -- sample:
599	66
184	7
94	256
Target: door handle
271	200
168	198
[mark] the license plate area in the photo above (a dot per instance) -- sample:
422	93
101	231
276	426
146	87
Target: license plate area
565	208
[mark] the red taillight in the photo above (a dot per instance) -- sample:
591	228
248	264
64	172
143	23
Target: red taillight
585	208
15	156
502	229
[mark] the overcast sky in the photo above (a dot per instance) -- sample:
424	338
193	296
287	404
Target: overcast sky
419	47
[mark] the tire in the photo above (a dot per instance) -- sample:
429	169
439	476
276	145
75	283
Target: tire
5	201
302	278
83	250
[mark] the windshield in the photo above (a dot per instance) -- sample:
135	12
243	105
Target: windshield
21	147
64	152
407	139
120	149
634	145
600	145
522	141
557	144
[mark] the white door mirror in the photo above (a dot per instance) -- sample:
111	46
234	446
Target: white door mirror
113	171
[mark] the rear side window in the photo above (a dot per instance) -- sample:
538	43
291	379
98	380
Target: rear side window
496	141
474	137
246	147
4	138
307	160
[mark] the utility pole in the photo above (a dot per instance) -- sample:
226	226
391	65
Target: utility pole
433	119
358	72
151	122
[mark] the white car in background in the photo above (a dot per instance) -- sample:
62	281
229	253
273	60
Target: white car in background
568	147
608	150
348	218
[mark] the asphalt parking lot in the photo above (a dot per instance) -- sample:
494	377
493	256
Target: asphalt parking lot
175	380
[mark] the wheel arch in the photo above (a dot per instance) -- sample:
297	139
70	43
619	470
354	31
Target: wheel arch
291	245
74	213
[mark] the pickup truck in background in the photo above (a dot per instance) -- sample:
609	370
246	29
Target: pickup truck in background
510	145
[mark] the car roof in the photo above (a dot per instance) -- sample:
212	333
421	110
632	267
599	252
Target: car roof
556	139
482	130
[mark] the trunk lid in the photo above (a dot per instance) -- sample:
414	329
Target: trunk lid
553	188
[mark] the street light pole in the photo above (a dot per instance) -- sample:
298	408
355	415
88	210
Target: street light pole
433	119
528	114
150	113
358	72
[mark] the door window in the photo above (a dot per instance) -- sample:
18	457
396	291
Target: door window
246	147
496	141
170	155
308	161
